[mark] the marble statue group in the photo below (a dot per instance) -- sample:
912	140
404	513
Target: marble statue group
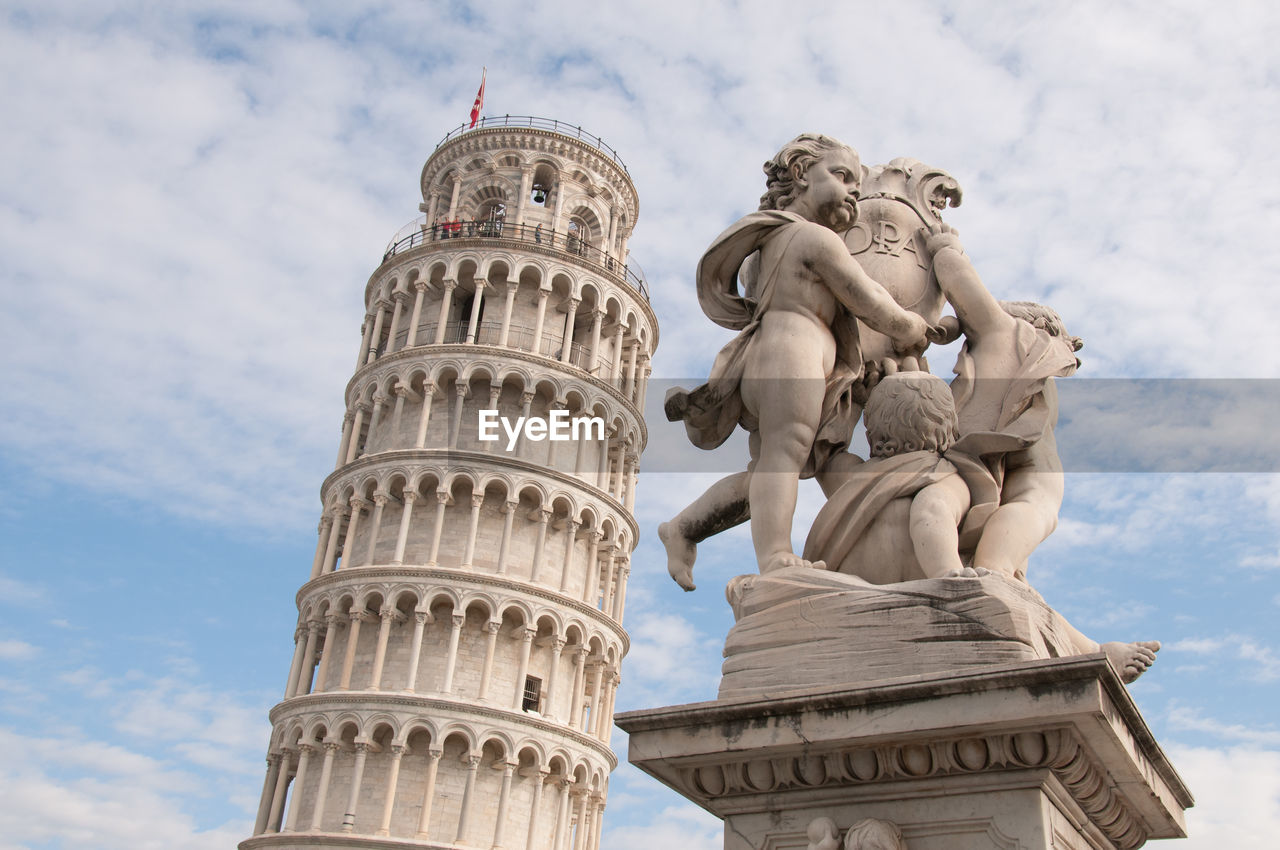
836	287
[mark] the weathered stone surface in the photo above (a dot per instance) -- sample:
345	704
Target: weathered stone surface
801	629
1034	755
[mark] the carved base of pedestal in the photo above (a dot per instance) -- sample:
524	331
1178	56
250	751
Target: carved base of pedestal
800	626
1036	755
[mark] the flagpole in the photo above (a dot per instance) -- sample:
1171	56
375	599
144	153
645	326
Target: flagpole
479	102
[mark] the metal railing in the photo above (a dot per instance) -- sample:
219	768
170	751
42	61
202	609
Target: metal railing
551	124
535	235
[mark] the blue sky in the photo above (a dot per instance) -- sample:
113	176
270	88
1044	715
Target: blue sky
193	196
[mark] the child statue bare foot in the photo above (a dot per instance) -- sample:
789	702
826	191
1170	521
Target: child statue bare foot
681	553
787	560
1131	660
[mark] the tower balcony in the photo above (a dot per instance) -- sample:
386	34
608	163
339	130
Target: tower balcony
529	121
457	235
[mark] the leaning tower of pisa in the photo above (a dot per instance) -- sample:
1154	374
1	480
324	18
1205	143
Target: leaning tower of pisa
460	634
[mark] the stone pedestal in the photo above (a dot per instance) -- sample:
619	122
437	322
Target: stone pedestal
1034	754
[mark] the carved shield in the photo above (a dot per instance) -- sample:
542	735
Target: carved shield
899	202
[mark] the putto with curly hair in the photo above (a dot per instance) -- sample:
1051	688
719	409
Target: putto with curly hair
792	162
910	412
1044	318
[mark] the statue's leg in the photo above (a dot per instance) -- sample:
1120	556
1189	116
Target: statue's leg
724	505
788	423
1030	498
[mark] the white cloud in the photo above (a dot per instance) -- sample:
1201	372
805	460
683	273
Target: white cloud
1191	720
1237	794
16	650
1261	662
687	827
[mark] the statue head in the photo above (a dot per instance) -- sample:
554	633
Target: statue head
785	173
874	834
1044	318
910	412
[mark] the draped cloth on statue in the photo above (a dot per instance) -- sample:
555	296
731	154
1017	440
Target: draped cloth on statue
715	409
1028	410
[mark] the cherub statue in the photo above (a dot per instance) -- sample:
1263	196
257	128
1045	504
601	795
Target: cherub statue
784	377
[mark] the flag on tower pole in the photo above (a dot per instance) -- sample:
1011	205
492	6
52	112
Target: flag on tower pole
475	107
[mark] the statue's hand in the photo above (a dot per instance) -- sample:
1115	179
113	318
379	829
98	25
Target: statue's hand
946	331
942	236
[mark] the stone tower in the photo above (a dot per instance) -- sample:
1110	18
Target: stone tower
460	635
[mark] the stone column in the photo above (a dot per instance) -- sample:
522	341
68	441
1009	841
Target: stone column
621	473
492	627
347	419
602	474
380	499
398	298
378	402
556	404
366	331
503	797
555	216
570	535
468	795
543	294
591	592
468	556
600	715
633	469
526	644
536	808
433	207
453	198
415	318
568	329
277	798
549	707
428	396
495	392
326	651
388	614
326	774
445	301
526	402
544	516
353	639
597	675
473	323
393	778
620	598
357	776
376	336
442	501
295	804
322	540
580	834
615	372
526	177
349	543
579	685
268	786
420	620
451	660
562	813
611	567
299	646
429	792
303	686
504	548
402	538
597	318
353	445
335	530
597	818
645	373
397	412
512	287
455	427
630	383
